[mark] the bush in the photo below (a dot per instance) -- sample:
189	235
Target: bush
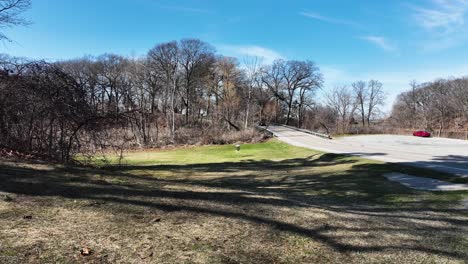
216	136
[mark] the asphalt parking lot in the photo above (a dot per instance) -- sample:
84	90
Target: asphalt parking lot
441	154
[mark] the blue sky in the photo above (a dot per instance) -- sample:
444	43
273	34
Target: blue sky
389	40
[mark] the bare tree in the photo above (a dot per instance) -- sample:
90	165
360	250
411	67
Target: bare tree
300	77
369	97
252	72
273	79
308	89
10	14
360	90
342	101
231	78
113	80
376	99
196	59
165	59
263	99
459	100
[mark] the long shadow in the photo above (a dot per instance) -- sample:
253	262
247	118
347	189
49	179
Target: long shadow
326	159
457	162
360	191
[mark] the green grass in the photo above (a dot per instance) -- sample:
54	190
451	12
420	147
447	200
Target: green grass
272	150
269	203
368	183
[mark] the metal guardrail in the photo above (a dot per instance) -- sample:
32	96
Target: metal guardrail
265	129
309	132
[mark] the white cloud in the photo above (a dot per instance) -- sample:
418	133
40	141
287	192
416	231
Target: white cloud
445	16
331	20
381	42
265	54
444	23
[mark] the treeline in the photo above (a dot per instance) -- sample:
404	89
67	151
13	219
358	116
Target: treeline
347	109
440	106
351	109
181	92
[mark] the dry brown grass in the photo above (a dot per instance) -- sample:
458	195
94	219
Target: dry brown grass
317	209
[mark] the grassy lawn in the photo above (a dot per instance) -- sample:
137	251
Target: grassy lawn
271	150
270	203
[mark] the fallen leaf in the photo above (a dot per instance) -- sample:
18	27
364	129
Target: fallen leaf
86	251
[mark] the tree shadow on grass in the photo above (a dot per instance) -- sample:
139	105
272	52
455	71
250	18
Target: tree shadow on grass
355	189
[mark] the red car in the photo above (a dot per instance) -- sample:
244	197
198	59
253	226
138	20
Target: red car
421	133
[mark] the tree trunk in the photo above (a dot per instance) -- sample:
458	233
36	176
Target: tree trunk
247	112
173	109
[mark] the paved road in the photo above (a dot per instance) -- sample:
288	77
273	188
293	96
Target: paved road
446	155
